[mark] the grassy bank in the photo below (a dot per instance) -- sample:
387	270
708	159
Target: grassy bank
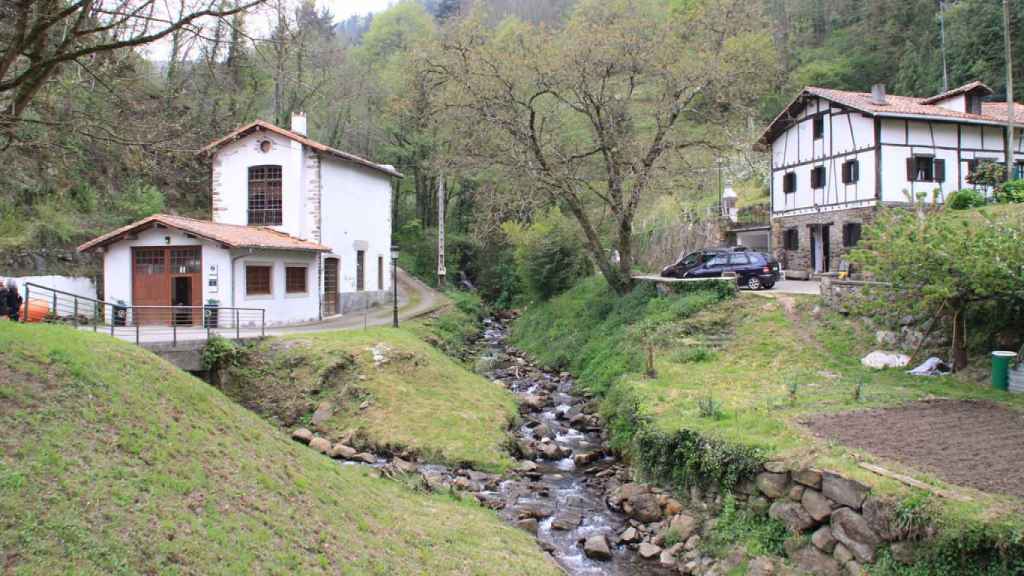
389	390
113	462
733	380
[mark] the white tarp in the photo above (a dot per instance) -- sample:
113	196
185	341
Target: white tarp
77	285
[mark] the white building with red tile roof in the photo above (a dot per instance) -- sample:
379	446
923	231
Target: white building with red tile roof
837	155
299	229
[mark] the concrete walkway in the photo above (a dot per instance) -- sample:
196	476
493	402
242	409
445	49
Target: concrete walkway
797	287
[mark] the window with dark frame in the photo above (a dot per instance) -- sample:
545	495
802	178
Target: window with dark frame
791	239
265	196
851	171
819	127
926	169
851	234
149	260
295	279
257	280
818	177
789	182
973	104
380	272
360	270
186	260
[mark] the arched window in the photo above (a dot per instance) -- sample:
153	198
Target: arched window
265	196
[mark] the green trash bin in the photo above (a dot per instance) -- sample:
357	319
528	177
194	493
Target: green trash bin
1001	369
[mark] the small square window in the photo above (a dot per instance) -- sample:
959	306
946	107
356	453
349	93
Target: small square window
926	169
818	177
789	183
257	280
851	171
851	234
819	127
295	279
791	239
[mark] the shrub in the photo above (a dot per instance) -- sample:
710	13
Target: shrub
549	254
139	200
965	199
1011	193
708	407
220	353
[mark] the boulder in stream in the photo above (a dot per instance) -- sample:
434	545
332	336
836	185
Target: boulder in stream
597	548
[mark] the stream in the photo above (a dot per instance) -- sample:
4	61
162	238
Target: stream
563	492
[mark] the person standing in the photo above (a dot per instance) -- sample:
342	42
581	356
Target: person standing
14	300
3	299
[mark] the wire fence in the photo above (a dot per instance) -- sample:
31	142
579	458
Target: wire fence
141	324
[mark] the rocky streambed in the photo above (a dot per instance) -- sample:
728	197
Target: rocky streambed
567	489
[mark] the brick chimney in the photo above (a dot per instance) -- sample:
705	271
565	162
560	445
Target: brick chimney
299	123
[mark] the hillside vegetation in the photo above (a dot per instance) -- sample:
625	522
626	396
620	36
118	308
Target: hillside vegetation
113	462
387	388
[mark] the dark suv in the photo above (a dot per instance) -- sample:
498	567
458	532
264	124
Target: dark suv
752	269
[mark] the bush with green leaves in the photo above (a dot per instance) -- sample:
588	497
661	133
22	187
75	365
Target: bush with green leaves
549	254
965	199
1011	192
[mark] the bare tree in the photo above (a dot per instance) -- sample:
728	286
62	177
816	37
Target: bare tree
37	37
592	112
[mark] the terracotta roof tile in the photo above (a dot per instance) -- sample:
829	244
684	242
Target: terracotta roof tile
993	113
263	125
231	235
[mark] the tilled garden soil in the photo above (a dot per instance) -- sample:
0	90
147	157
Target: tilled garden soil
971	443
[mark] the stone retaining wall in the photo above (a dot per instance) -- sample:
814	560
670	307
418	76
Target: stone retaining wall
846	523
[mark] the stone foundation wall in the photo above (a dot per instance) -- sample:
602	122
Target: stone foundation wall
846	523
352	302
797	263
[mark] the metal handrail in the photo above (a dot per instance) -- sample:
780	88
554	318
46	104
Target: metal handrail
153	322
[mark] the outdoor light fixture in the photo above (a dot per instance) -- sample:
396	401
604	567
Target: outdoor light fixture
394	281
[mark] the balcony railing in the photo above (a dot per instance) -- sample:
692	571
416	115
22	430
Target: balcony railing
141	324
748	216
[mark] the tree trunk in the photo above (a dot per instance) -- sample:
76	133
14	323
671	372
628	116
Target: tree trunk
959	339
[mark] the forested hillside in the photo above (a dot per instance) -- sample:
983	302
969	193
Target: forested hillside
113	136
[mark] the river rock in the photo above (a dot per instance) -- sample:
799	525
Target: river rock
551	451
302	435
365	457
629	536
771	484
816	562
808	477
339	450
672	507
853	568
667	559
566	520
403	466
692	543
531	403
323	413
823	539
597	548
321	445
542	431
526	466
776	467
584	458
643	507
793	515
759	504
796	492
528	524
816	505
648	550
844	491
853	531
538	510
684	526
842	554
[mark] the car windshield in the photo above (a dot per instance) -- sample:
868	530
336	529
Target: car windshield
691	259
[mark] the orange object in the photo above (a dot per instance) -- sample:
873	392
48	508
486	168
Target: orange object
35	310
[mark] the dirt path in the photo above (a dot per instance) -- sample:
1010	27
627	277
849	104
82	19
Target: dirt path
970	443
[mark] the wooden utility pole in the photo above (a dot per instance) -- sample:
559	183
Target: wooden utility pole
942	32
441	271
1010	119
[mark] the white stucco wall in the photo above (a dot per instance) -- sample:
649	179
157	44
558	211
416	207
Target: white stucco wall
77	285
217	264
356	204
230	180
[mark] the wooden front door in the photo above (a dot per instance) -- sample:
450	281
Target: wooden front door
167	276
331	296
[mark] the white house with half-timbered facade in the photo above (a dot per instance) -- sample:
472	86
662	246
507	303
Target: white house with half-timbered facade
299	229
837	155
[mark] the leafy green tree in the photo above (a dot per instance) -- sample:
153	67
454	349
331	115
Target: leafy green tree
943	265
590	114
550	257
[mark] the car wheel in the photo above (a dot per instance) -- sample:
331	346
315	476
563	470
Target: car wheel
769	285
754	283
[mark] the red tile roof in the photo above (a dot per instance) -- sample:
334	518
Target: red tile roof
230	235
263	125
993	113
969	87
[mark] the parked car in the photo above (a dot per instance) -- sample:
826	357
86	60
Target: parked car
754	270
687	262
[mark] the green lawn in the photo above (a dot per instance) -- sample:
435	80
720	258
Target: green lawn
113	462
419	399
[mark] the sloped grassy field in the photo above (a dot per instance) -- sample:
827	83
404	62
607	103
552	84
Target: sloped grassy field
113	462
410	396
